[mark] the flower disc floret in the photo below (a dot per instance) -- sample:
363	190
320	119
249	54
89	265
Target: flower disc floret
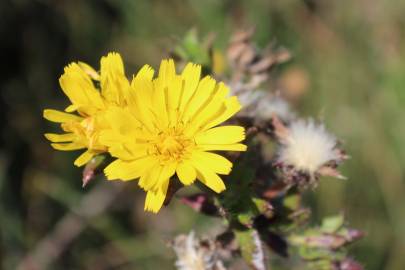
172	146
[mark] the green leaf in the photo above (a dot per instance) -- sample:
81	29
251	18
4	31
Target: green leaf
192	49
263	207
292	201
332	224
245	219
318	254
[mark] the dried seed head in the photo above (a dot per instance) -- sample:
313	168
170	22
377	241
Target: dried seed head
308	146
193	254
306	151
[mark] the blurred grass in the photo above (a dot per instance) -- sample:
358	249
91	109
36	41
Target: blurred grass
353	52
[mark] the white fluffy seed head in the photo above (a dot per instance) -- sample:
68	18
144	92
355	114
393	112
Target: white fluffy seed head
308	146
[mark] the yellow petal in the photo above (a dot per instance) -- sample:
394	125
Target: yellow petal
128	170
68	146
120	146
142	87
221	135
150	176
209	178
79	88
155	199
144	74
210	110
186	172
111	64
191	76
72	108
122	121
159	104
121	152
68	137
89	71
110	137
60	117
141	96
159	174
83	158
223	147
127	150
203	93
214	162
230	108
167	70
174	91
115	87
168	171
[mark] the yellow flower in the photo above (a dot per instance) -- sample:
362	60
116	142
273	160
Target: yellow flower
83	129
169	127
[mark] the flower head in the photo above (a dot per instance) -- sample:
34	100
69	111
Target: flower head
169	127
82	120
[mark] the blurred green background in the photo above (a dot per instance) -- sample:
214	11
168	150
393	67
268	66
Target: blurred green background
349	54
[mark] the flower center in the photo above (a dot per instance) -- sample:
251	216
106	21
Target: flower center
172	145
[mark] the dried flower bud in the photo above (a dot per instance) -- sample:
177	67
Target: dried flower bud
352	235
329	241
201	203
250	65
93	167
